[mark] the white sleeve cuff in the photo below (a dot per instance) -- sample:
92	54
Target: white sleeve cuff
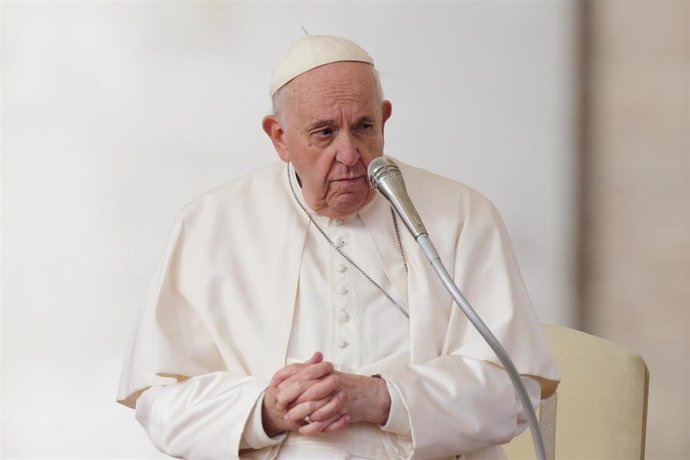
254	436
144	408
399	417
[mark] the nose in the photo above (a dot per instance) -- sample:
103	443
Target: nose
347	153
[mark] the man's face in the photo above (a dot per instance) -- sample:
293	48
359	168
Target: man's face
334	128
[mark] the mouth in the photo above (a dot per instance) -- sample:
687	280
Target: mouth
349	180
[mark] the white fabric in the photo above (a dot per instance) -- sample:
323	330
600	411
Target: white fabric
350	310
348	307
314	51
219	312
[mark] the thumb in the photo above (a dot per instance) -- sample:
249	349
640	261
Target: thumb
317	357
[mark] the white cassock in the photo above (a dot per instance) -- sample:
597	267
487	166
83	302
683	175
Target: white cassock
247	285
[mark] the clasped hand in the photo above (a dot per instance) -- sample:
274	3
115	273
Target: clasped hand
330	399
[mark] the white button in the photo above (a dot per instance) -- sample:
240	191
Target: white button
342	268
338	222
342	290
343	316
340	243
342	343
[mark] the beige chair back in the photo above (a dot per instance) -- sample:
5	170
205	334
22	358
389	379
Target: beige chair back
600	408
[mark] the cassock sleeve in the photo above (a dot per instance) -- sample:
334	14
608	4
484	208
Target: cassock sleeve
199	418
461	401
469	405
192	403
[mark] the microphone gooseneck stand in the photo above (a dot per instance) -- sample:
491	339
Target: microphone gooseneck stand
433	257
385	177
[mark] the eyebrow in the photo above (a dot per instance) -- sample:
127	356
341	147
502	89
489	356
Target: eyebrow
320	124
329	122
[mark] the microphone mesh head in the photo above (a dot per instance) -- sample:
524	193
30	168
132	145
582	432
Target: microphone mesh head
382	168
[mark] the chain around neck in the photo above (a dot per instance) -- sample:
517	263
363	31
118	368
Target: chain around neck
337	248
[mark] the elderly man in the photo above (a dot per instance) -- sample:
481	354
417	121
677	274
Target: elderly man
291	316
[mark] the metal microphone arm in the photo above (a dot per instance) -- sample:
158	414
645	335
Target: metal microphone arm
433	257
385	177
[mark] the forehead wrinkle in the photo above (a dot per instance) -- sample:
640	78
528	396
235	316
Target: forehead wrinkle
333	85
333	103
334	96
348	111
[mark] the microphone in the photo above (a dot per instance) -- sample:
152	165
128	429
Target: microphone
386	178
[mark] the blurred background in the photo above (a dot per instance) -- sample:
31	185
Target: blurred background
573	117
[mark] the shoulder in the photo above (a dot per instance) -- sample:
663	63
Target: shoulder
256	189
433	191
257	183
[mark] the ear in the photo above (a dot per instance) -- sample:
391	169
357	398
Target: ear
386	112
276	133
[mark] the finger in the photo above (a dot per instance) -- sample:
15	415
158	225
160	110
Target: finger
282	374
318	427
288	392
309	372
292	369
300	411
323	388
272	418
337	425
334	407
317	357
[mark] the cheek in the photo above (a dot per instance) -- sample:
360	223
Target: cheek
373	143
322	163
314	172
371	150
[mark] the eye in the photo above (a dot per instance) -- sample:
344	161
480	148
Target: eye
323	133
364	126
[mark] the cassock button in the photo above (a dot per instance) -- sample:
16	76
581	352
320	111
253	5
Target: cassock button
343	316
342	343
342	268
342	290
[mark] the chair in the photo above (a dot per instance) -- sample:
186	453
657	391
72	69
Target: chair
600	408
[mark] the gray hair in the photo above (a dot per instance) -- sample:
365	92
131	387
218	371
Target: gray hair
279	98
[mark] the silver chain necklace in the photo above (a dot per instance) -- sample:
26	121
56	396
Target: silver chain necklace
337	248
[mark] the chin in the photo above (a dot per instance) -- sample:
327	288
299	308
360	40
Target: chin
345	206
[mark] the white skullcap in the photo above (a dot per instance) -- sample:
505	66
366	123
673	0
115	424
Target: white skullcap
313	51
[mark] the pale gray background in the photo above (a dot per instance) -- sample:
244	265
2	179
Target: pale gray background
115	114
